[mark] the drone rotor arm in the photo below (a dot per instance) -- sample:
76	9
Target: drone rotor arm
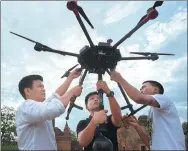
142	19
72	6
64	53
151	14
41	47
165	54
85	30
129	34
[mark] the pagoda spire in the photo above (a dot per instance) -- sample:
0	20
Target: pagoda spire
66	129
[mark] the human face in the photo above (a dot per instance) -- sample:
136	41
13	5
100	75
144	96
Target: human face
93	103
37	92
148	89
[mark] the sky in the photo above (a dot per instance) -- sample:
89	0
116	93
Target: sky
52	24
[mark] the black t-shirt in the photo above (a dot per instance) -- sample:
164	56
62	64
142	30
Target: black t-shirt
111	132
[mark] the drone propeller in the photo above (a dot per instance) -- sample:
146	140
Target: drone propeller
81	11
23	37
149	53
157	4
72	5
40	47
151	12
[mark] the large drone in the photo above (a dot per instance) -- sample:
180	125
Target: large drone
103	57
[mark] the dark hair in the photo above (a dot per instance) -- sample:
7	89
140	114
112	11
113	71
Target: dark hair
26	82
90	94
156	84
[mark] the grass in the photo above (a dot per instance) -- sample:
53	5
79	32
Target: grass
9	147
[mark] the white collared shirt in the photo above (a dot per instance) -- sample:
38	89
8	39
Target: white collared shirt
34	123
167	132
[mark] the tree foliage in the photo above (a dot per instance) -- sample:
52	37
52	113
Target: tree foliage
184	125
8	125
74	136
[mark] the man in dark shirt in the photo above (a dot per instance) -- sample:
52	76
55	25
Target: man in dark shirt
87	129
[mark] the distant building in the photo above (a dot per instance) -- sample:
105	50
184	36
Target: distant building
64	139
128	138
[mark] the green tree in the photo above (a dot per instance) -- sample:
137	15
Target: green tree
74	136
8	125
184	126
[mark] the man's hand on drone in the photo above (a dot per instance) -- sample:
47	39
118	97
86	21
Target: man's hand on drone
116	76
130	121
75	73
101	85
125	122
99	117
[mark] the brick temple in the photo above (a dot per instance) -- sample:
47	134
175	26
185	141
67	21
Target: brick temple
128	139
64	139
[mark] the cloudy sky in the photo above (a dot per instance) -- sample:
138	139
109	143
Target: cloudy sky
52	24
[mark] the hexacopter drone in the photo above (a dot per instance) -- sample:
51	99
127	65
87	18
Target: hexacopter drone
103	57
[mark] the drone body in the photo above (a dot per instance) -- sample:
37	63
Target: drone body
99	58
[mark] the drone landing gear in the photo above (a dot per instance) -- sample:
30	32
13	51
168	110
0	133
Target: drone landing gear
72	103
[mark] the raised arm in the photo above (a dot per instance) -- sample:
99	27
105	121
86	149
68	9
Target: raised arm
132	92
63	88
114	106
41	111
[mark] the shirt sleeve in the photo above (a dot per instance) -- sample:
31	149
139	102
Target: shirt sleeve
163	101
81	126
54	95
41	111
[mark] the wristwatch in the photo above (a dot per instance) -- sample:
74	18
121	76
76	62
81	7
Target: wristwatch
111	94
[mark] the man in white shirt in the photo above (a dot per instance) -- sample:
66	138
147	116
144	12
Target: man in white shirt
165	130
34	116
